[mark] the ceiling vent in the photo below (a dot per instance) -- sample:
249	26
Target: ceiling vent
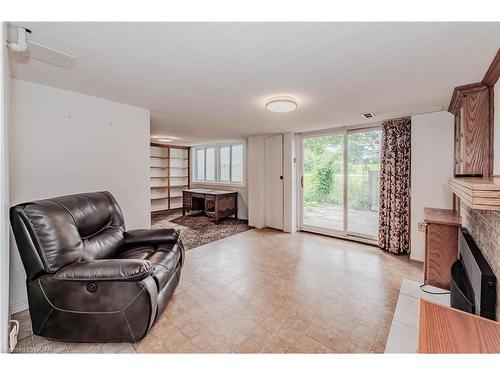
368	115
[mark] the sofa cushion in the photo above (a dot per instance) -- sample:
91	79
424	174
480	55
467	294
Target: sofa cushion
106	269
52	231
66	229
151	237
138	252
164	263
163	257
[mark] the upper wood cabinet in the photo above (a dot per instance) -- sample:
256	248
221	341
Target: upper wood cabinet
471	106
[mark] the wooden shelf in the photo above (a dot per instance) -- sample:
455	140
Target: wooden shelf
158	197
477	193
168	198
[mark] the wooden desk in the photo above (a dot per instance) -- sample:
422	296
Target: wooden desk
214	203
445	330
441	245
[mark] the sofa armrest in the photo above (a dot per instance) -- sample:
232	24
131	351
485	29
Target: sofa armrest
151	236
106	270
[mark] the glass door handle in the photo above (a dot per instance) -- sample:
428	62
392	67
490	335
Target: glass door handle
302	182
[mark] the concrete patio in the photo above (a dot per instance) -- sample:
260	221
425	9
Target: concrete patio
331	217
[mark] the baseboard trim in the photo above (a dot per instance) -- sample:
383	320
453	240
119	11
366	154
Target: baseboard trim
417	258
18	307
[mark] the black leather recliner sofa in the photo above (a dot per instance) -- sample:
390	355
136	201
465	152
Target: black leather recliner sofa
88	279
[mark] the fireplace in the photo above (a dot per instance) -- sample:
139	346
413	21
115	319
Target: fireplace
473	283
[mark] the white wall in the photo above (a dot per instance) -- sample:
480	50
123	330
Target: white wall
63	142
4	193
432	142
256	181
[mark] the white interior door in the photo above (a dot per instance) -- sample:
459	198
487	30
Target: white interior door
274	181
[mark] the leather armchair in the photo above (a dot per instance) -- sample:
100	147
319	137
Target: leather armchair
88	279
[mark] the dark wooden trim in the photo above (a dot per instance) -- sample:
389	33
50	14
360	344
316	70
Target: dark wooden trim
457	93
493	72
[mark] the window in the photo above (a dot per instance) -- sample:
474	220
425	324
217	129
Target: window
210	164
237	163
225	163
200	164
219	164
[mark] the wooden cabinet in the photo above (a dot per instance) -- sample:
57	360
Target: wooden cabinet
441	245
471	106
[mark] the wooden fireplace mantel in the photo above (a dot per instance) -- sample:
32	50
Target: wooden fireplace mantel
477	193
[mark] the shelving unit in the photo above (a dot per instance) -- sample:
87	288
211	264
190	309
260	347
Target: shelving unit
169	175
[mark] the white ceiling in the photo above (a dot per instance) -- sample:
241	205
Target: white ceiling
210	81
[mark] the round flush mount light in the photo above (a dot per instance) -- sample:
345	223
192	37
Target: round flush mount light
281	104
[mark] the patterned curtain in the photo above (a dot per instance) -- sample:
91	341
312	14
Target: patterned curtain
394	214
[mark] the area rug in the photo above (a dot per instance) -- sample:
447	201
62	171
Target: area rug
198	229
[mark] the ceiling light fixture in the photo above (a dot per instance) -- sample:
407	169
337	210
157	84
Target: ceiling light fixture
164	140
281	104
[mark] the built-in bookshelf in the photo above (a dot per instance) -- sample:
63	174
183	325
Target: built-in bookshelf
169	172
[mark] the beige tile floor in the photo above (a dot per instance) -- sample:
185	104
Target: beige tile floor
265	291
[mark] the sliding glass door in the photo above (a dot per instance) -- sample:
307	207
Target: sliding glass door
363	182
340	183
323	182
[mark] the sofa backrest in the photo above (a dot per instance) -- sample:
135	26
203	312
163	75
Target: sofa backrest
52	233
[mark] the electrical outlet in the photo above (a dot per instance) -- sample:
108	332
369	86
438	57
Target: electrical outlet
421	227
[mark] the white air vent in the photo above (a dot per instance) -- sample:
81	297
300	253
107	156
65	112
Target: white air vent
368	115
